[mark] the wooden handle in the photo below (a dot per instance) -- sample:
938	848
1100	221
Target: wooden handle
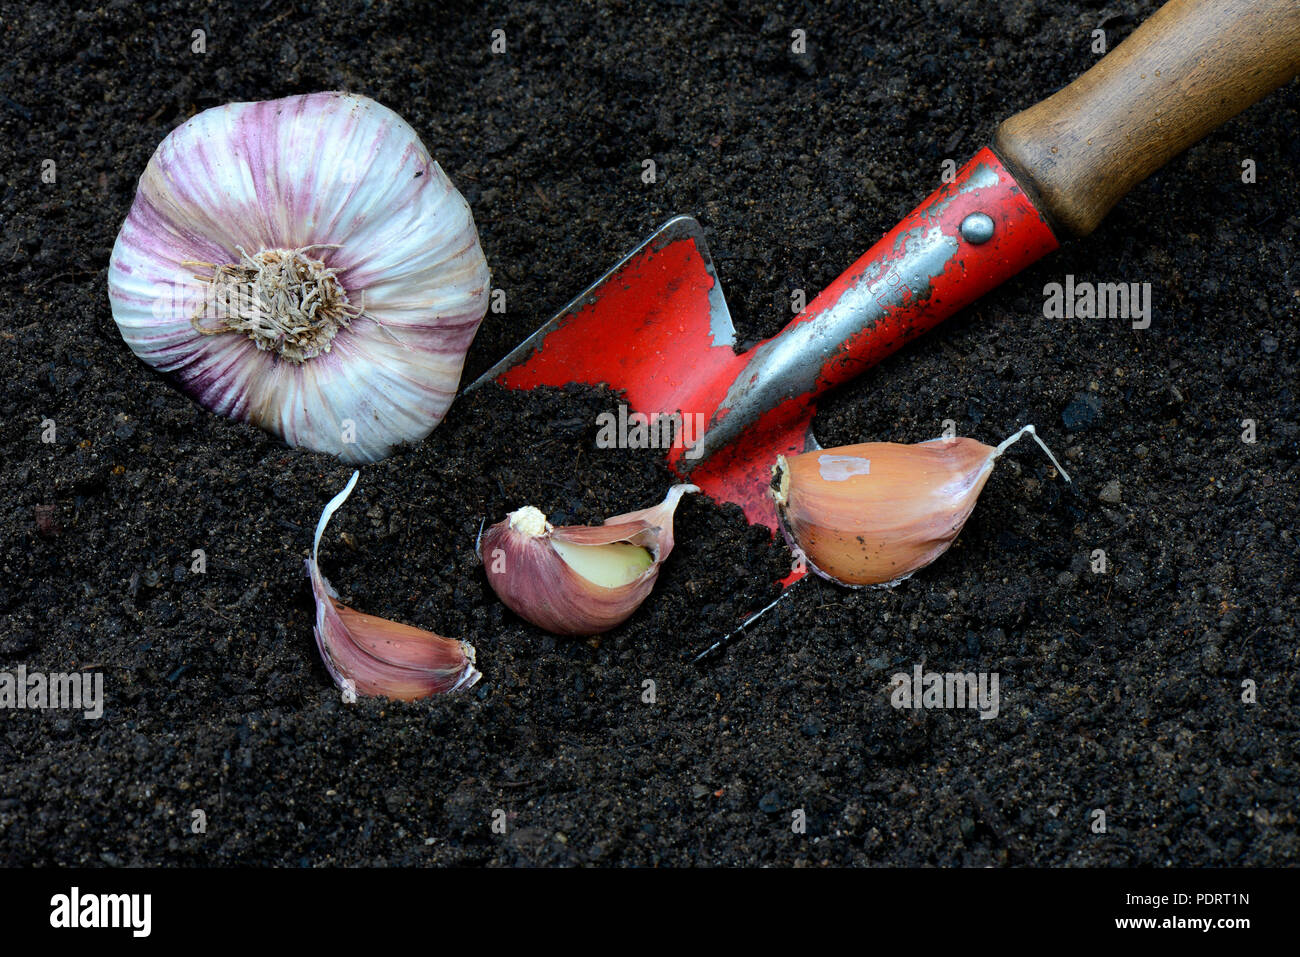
1192	66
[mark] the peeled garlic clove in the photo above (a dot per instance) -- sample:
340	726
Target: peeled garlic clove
578	579
302	264
872	514
367	655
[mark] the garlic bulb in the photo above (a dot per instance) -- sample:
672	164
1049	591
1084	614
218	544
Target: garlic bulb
304	265
367	655
578	579
872	514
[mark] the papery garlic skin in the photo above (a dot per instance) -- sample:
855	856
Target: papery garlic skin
368	655
874	513
324	206
534	580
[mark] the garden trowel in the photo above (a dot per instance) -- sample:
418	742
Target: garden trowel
656	326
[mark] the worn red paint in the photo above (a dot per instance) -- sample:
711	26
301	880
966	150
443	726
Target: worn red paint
1020	236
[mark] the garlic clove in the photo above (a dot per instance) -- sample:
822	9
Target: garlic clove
304	265
368	655
875	513
579	579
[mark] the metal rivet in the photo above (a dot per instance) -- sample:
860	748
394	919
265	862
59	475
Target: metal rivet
977	228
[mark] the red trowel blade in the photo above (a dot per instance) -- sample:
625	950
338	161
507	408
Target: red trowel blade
657	329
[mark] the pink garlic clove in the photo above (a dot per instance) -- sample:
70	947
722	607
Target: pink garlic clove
368	655
579	579
875	513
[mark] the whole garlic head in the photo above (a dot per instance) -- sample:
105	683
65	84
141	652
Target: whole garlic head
302	264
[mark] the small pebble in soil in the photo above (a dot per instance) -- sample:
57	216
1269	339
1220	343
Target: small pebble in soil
1082	413
1110	493
47	523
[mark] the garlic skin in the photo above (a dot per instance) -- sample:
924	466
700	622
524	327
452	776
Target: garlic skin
525	560
367	655
302	264
875	513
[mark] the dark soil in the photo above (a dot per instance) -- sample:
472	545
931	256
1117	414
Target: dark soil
1120	691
